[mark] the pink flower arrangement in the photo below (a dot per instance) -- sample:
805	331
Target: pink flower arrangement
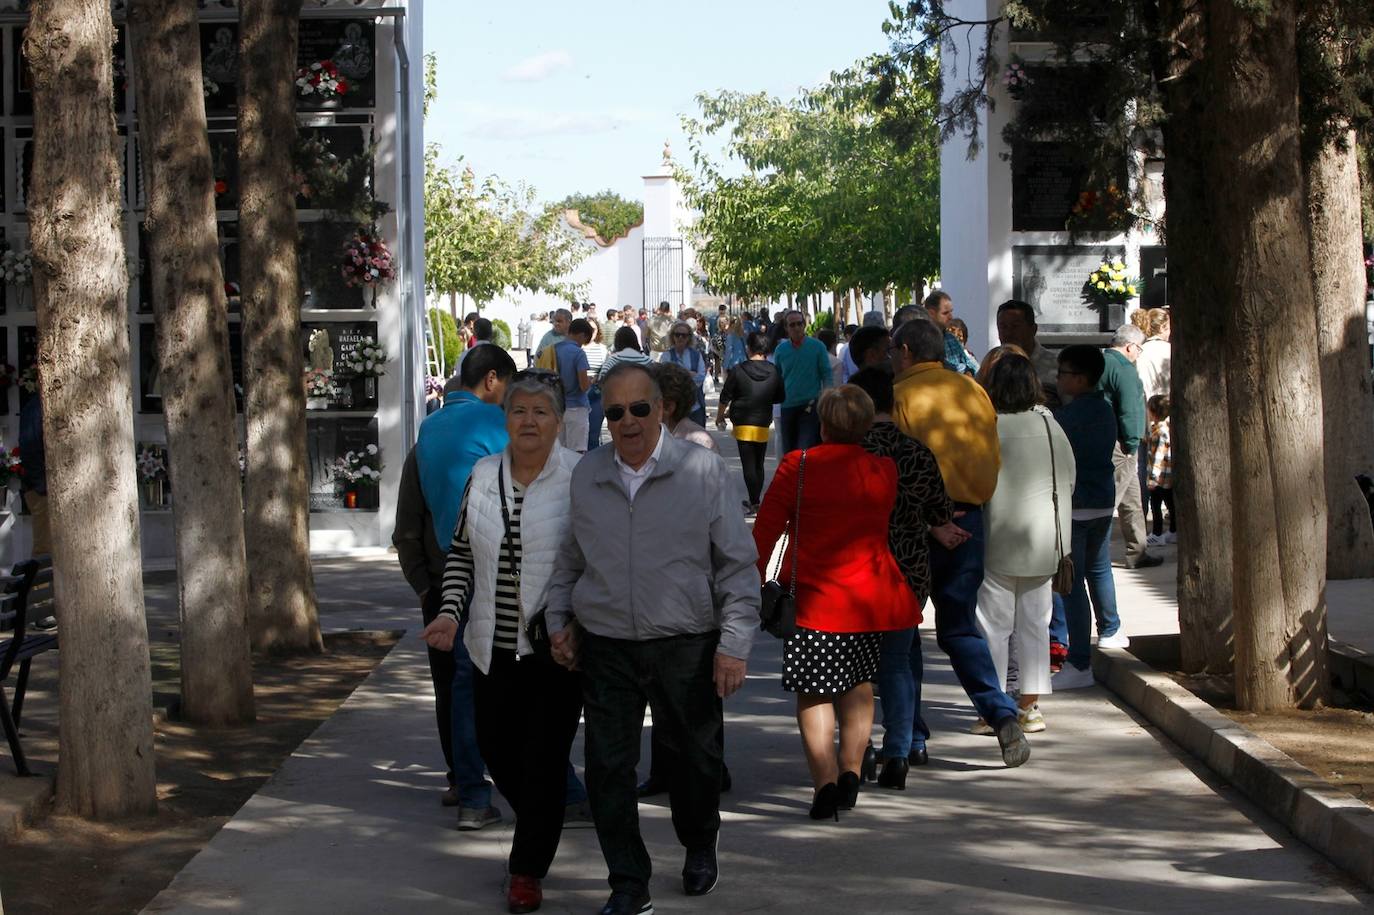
366	261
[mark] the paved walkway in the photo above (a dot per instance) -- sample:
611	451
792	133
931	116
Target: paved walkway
1107	816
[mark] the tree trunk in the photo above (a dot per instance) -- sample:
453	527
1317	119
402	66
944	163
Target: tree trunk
1338	284
193	357
1278	504
282	613
1198	418
105	744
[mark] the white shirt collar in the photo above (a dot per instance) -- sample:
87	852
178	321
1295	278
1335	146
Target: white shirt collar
632	478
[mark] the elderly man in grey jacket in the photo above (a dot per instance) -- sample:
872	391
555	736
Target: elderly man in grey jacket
658	571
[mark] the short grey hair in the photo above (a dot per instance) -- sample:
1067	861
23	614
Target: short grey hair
874	319
923	340
563	313
620	369
686	325
529	383
1127	334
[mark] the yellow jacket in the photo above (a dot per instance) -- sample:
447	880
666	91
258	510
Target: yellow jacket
952	416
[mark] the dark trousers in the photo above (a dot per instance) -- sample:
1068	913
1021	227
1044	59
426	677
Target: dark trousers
1160	498
674	677
752	456
441	668
798	427
527	714
955	577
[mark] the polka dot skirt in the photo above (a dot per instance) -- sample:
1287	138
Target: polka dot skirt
829	663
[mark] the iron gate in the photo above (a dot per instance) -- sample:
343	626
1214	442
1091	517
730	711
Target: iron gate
663	273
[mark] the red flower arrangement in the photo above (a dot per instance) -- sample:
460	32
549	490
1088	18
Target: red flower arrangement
321	80
366	261
11	466
1102	208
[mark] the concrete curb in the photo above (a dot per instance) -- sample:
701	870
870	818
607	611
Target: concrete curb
1334	823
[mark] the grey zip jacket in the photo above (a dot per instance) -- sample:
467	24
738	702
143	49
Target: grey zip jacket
678	561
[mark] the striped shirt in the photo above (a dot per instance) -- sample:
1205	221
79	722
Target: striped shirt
459	573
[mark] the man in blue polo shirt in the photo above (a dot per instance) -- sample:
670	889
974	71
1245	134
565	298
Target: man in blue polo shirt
469	426
805	366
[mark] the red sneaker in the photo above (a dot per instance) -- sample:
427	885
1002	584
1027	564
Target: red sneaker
524	894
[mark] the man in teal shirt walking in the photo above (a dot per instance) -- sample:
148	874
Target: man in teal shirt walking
805	366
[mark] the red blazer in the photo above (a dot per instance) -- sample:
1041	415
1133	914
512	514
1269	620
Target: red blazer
847	580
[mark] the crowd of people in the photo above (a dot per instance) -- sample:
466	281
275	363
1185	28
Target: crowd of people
561	579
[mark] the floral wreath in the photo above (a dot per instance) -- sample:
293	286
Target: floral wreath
363	467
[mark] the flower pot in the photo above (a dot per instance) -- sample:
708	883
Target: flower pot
317	403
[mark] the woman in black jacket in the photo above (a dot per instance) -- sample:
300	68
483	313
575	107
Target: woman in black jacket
750	392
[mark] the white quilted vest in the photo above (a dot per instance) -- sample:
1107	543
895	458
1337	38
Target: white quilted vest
544	523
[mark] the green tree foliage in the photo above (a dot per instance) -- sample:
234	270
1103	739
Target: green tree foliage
611	215
829	199
484	237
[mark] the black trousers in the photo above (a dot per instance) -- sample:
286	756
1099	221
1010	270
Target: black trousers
1159	498
527	714
441	672
675	678
752	455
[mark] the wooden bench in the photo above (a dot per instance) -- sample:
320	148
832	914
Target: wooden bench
25	595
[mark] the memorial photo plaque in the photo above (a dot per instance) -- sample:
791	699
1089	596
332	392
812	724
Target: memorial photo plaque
1051	277
219	64
327	440
354	393
351	45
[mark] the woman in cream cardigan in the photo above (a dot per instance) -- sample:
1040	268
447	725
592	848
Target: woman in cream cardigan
1024	537
513	520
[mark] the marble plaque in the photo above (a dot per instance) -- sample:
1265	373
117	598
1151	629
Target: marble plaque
1154	272
351	44
219	64
1051	278
321	264
326	440
1046	179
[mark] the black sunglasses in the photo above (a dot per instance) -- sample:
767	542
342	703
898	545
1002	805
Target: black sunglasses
678	333
639	408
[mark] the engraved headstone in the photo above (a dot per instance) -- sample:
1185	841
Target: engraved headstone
1050	278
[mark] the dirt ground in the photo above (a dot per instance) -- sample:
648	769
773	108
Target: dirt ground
1336	742
65	865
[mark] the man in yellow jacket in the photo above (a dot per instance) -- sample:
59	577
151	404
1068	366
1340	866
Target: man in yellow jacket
952	416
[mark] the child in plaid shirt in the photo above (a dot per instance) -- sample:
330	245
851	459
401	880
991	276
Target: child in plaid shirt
1160	474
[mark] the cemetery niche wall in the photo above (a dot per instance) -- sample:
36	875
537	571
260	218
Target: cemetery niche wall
353	92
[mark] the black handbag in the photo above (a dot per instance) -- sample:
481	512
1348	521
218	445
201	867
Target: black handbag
1062	583
778	605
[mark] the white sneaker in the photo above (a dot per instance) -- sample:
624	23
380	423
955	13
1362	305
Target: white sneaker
1032	722
1117	639
982	728
1155	540
1072	678
1171	537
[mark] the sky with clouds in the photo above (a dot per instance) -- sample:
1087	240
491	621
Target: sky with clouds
577	97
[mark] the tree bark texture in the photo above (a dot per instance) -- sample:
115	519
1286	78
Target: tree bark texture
282	611
1338	285
105	748
1198	418
193	354
1278	504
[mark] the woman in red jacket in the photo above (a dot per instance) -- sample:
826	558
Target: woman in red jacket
837	498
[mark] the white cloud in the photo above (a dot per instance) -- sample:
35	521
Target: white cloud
489	122
540	66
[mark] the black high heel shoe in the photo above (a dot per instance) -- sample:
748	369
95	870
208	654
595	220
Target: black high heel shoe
894	774
848	787
868	770
825	804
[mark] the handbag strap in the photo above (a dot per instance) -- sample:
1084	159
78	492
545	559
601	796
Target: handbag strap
507	540
796	524
1054	492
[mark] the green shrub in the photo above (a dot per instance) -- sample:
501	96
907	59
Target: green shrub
825	319
442	326
500	334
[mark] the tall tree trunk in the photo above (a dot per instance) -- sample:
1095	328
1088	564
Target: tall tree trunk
1278	505
105	745
193	354
282	613
1198	419
1338	284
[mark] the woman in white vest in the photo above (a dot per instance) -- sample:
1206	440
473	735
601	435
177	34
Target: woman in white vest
512	525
